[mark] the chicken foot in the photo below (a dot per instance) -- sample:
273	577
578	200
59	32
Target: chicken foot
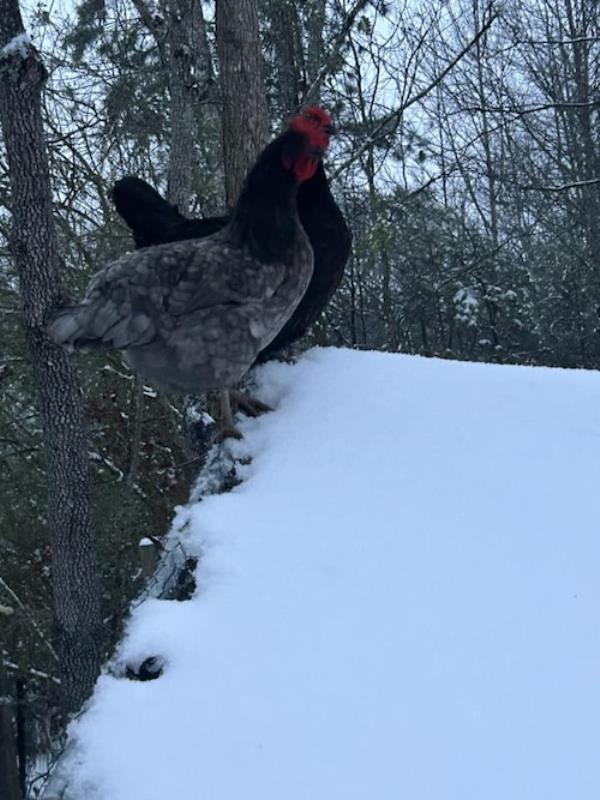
249	405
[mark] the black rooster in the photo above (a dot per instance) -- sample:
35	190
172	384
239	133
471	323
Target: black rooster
153	221
193	315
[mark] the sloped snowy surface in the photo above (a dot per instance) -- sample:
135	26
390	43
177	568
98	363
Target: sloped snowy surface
401	600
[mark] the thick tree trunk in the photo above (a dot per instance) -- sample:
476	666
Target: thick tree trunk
245	129
74	569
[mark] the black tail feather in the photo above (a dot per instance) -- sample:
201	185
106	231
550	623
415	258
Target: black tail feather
153	220
144	211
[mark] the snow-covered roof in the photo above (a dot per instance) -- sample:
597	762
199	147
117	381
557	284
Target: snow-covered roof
400	600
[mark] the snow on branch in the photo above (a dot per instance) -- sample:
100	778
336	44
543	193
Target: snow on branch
36	673
561	41
19	45
563	187
13	595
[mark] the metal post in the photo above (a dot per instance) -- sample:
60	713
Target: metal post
148	557
21	740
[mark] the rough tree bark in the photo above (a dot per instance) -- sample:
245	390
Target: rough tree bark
286	35
315	47
74	571
245	128
189	75
181	114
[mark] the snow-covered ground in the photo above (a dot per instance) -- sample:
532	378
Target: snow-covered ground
401	600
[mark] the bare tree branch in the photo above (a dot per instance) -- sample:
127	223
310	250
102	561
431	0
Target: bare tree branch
563	187
390	121
313	90
14	596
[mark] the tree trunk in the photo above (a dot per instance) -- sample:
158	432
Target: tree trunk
245	129
284	25
583	90
189	77
315	48
181	112
9	770
74	569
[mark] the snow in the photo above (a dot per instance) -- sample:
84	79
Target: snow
400	600
18	45
467	305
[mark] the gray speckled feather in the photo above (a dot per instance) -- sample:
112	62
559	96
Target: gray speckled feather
190	316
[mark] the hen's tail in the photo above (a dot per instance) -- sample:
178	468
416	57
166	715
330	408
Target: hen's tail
103	323
71	328
155	221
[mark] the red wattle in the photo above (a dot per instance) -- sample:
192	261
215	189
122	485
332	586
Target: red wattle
304	167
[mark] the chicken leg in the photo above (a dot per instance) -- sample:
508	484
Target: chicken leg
228	429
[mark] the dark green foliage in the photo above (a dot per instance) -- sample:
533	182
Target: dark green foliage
423	281
91	17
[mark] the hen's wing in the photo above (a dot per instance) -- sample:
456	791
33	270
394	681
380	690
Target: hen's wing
146	294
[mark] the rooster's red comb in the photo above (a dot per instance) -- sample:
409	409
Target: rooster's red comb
315	124
317	114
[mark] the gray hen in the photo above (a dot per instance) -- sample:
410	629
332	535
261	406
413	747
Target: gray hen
192	316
